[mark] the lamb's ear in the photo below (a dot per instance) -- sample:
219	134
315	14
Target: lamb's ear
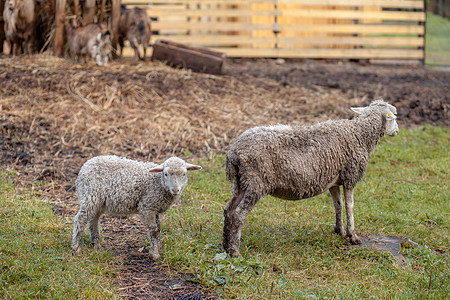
191	167
157	169
358	110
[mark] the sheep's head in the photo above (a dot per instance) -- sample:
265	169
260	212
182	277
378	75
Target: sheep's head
100	47
11	4
388	111
174	174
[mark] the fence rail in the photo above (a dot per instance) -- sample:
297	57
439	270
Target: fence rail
379	29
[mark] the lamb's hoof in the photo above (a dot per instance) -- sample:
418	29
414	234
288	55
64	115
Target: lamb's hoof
97	246
155	256
77	251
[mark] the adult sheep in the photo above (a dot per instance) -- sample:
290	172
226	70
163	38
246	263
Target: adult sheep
298	162
134	26
20	25
120	186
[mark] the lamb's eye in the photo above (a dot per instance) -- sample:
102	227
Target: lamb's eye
165	174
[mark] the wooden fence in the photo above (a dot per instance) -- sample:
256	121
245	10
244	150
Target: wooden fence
359	29
288	28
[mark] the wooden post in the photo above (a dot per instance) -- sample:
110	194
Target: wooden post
102	12
59	31
115	18
2	26
88	12
76	9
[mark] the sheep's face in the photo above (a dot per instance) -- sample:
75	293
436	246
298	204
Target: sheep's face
389	113
11	4
391	124
174	174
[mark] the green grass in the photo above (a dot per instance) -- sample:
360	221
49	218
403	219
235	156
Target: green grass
437	40
288	248
35	256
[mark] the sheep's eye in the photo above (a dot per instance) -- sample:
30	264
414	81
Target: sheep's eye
165	174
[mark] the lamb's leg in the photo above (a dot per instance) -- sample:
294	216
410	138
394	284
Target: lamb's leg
151	221
348	194
234	216
79	223
337	202
93	230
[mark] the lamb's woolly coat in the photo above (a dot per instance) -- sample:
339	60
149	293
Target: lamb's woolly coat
297	162
120	186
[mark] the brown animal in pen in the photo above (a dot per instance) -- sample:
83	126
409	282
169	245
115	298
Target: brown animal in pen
134	26
90	40
20	25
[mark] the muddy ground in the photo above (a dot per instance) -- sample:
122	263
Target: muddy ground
55	114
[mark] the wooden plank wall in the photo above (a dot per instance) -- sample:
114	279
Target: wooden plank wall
359	29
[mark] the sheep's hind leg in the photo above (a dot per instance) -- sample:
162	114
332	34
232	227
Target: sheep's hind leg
94	230
349	203
151	221
234	216
338	204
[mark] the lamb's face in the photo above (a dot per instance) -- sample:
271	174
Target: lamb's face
174	174
175	179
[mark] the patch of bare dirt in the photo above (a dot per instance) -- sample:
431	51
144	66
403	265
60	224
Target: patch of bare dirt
55	114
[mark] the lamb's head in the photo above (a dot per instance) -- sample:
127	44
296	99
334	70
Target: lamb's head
174	174
387	112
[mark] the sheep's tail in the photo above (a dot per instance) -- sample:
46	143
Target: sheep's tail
232	172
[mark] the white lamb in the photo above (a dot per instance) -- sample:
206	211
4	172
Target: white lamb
120	186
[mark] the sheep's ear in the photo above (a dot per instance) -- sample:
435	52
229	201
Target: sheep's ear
191	167
157	169
358	110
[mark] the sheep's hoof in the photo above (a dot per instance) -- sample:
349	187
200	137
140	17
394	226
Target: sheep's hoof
233	251
97	246
355	240
340	231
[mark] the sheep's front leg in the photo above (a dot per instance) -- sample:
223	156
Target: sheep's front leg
337	202
234	216
348	194
151	221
